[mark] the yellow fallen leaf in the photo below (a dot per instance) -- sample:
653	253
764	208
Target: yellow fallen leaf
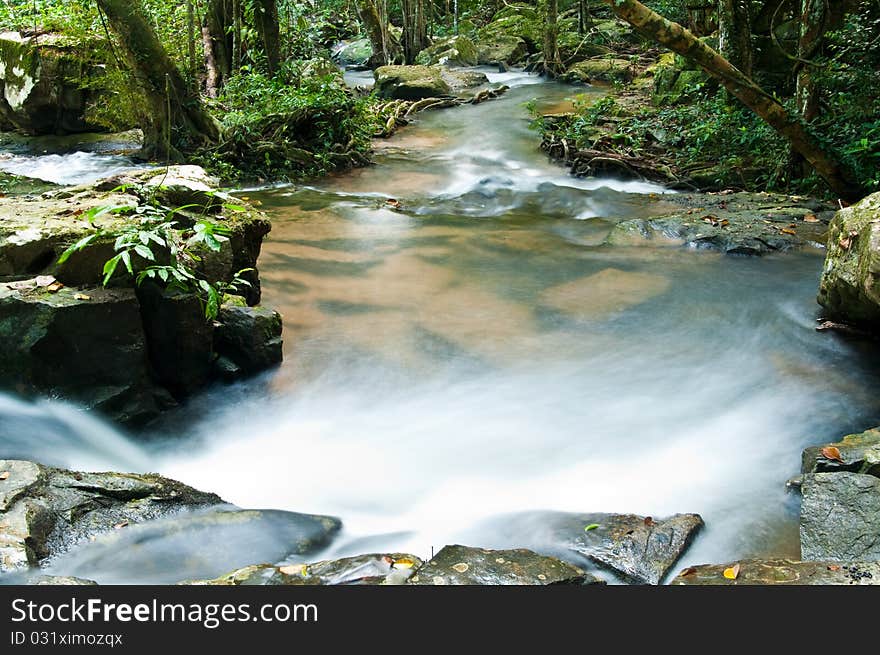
833	453
294	569
403	563
4	475
785	230
81	296
731	573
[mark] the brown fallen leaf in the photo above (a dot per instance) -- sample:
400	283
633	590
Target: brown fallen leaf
649	521
732	573
833	567
688	571
832	453
55	287
120	525
811	218
785	230
393	203
4	475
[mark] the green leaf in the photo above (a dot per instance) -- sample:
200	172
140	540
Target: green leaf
145	252
163	273
126	258
110	268
79	245
592	526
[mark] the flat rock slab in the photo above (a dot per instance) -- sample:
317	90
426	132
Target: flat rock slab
736	223
197	545
640	549
369	569
859	453
45	511
782	572
840	517
463	565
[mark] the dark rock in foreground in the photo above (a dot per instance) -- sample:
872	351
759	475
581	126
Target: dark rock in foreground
859	453
782	572
462	565
840	517
250	337
638	548
197	545
45	511
371	569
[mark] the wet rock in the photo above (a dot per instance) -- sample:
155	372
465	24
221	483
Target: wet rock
463	565
462	80
604	69
354	53
516	20
371	569
16	185
61	580
733	223
840	517
197	545
85	345
638	548
860	453
410	82
250	337
45	511
782	572
49	82
850	286
501	49
456	50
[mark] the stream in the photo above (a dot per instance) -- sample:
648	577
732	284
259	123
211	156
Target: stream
460	345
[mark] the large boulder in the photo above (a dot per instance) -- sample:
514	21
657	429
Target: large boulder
517	20
455	50
370	569
857	453
850	286
781	572
604	70
201	544
501	49
86	345
639	549
410	82
45	511
462	565
840	517
249	337
49	82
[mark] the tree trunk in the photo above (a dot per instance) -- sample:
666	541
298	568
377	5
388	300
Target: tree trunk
813	23
735	30
376	32
217	35
676	38
552	63
236	36
415	29
176	121
191	43
266	22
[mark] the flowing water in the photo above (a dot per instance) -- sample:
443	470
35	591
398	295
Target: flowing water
460	345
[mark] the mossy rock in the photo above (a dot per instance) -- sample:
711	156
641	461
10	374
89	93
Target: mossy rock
850	286
354	53
521	25
453	51
608	70
410	82
501	49
517	9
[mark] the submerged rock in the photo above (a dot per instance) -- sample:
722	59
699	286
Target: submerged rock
462	565
782	572
859	453
640	549
604	293
456	50
197	545
850	286
840	517
45	511
371	569
410	82
733	223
